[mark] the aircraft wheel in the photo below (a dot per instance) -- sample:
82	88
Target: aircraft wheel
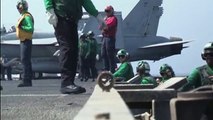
21	76
37	75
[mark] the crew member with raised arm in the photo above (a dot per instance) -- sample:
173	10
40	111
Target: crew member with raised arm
109	39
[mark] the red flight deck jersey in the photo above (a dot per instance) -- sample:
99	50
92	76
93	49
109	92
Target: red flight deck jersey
110	30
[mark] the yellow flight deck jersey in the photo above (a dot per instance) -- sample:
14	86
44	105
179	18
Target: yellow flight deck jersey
25	27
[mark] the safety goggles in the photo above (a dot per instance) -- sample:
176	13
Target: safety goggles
18	6
121	56
162	73
167	72
107	11
208	55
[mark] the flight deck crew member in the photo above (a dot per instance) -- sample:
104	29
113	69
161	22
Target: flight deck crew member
2	67
93	51
109	39
8	69
64	16
24	31
83	56
166	73
143	70
125	70
202	75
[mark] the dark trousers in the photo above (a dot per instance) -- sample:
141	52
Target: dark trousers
67	36
8	71
84	67
26	49
2	72
92	67
108	53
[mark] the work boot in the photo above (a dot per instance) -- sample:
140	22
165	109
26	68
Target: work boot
86	79
23	84
72	89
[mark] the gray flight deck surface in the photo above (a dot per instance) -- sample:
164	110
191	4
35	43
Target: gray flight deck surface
43	101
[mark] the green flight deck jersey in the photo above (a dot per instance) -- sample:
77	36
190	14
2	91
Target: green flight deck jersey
148	79
83	48
71	8
93	47
164	79
199	77
125	70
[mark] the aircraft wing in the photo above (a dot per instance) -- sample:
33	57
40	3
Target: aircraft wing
164	44
161	50
40	48
45	41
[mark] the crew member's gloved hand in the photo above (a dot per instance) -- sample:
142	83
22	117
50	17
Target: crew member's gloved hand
57	53
101	21
52	18
97	57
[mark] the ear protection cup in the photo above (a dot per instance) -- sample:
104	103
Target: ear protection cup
20	7
203	57
208	49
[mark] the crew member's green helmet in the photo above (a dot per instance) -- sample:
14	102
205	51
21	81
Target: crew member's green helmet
143	65
164	67
82	36
208	50
22	5
122	52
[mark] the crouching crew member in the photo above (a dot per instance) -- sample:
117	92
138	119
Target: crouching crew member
143	70
125	70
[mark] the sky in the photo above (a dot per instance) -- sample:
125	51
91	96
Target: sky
187	19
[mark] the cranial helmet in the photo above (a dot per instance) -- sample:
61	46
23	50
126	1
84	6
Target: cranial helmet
122	52
109	8
22	5
164	70
90	33
83	35
208	49
164	67
142	65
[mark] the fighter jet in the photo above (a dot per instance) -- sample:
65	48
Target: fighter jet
136	33
44	49
44	46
